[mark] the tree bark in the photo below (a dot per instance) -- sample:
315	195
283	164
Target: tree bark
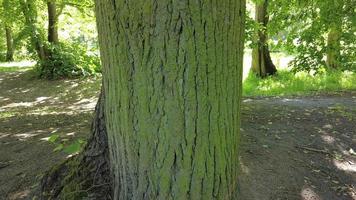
333	47
334	35
52	22
262	64
9	44
172	78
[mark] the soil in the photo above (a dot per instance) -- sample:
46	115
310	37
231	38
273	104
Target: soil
291	148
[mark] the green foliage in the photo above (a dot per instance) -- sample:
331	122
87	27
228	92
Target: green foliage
302	27
14	69
287	83
63	145
68	61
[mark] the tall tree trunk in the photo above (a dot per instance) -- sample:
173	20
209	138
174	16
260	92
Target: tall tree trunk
172	80
262	64
170	107
52	22
333	49
9	44
30	14
334	35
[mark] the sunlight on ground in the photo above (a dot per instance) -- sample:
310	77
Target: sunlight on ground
243	167
328	139
347	166
309	194
18	64
20	195
39	100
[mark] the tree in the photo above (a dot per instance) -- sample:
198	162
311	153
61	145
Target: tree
334	34
55	11
320	34
9	44
29	11
262	64
52	22
6	12
172	77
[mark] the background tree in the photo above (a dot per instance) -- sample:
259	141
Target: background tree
318	33
52	22
7	14
29	11
262	64
55	9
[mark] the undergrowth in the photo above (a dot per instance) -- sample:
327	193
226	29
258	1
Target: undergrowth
300	83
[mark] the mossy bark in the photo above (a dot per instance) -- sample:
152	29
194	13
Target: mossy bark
9	44
333	48
52	22
172	78
170	109
262	64
333	52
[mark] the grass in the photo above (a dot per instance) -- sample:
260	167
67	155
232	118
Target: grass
284	83
301	83
14	69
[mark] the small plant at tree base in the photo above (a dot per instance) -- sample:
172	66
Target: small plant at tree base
64	145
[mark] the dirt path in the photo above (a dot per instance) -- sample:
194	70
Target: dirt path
299	148
30	111
291	148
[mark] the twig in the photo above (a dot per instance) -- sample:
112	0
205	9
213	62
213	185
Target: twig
314	150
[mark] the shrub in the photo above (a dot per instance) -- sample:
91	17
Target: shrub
68	61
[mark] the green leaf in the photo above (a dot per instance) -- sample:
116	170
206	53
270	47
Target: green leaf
73	148
53	138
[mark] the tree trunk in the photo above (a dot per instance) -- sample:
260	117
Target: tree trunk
170	107
334	35
262	64
9	44
30	14
333	48
52	22
172	79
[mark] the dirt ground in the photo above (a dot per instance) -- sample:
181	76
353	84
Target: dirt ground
291	148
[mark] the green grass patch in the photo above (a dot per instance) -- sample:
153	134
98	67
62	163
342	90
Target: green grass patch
14	69
301	83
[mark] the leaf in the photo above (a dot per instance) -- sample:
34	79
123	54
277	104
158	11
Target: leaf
73	148
53	138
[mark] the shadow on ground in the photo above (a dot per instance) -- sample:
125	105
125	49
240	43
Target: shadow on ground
297	148
32	110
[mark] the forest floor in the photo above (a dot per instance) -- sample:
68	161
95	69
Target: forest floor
292	148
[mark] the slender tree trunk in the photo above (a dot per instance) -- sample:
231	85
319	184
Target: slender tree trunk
333	48
172	79
262	64
52	22
9	44
30	14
